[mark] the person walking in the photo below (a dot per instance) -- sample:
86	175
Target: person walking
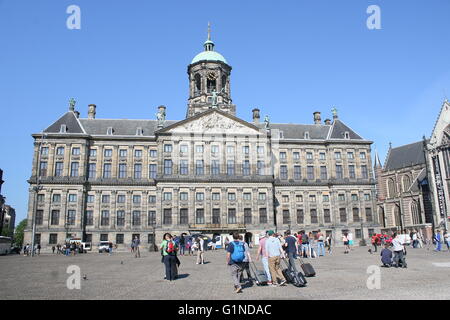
320	244
329	240
447	240
182	244
247	260
53	249
275	253
374	242
236	254
169	250
136	243
305	244
291	248
261	253
437	240
346	243
312	245
200	250
110	248
350	240
398	246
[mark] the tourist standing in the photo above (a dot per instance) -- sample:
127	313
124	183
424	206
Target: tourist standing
312	245
329	240
398	246
236	254
136	243
291	249
275	254
447	240
182	244
263	255
374	242
200	250
320	243
346	243
53	249
350	240
305	244
169	250
110	248
437	240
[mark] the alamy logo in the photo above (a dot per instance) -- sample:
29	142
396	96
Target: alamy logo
374	280
374	20
74	20
74	280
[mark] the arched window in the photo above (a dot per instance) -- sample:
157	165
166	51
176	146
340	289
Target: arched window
397	217
406	183
416	212
381	217
391	188
198	83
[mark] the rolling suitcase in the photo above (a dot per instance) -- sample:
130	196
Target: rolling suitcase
307	269
260	275
297	279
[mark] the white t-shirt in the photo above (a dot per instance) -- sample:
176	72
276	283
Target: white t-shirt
350	236
397	243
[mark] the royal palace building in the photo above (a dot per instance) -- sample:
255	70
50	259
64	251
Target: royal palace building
210	173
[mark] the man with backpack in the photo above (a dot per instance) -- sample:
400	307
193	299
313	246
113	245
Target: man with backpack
236	254
169	250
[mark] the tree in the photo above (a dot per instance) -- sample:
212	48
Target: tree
18	234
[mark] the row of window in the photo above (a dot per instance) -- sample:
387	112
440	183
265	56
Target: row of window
310	172
53	238
314	218
322	155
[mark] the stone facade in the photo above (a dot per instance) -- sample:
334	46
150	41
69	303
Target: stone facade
211	173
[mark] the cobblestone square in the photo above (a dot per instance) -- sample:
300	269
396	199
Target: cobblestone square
121	277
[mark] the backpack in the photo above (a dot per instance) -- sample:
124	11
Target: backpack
305	238
238	254
170	248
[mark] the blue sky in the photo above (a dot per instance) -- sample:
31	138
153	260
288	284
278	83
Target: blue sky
290	58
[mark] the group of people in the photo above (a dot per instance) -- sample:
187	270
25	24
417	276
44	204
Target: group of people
27	250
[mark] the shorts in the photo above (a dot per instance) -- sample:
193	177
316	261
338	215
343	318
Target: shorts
346	243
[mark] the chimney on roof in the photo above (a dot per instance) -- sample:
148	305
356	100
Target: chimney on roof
317	118
328	122
256	116
92	110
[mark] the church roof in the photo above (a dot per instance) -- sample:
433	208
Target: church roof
405	156
121	127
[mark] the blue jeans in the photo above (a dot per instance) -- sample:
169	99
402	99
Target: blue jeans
265	262
305	249
438	246
320	248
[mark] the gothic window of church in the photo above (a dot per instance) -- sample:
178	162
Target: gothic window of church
415	213
167	167
200	216
122	170
406	183
198	83
391	188
262	215
199	168
232	216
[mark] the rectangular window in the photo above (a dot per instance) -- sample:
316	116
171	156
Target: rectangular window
343	215
246	168
200	196
103	237
92	153
119	238
184	216
300	216
152	171
167	148
358	233
59	167
339	174
54	218
199	149
285	199
286	217
296	155
260	150
309	156
167	217
326	216
337	155
232	216
230	150
325	198
260	168
136	199
354	197
167	196
351	172
230	167
56	198
369	217
167	167
199	168
216	196
136	221
247	196
105	198
350	155
355	215
151	199
283	173
120	218
299	198
248	216
153	153
151	218
90	198
323	173
215	167
75	151
71	215
89	218
341	197
92	170
282	155
184	167
231	196
367	197
297	173
107	153
362	156
312	198
184	196
60	151
107	170
72	197
151	239
310	172
262	215
322	156
39	217
364	173
214	150
262	196
104	218
43	169
138	171
138	153
246	150
123	153
74	169
183	149
216	216
121	198
199	216
314	219
122	171
53	238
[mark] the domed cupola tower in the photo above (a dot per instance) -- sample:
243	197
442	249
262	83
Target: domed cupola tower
209	81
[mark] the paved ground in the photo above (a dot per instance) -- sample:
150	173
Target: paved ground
339	276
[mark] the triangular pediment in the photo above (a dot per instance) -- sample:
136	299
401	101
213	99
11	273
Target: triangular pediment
212	121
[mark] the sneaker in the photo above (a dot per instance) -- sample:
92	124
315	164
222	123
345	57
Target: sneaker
238	290
273	285
283	283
